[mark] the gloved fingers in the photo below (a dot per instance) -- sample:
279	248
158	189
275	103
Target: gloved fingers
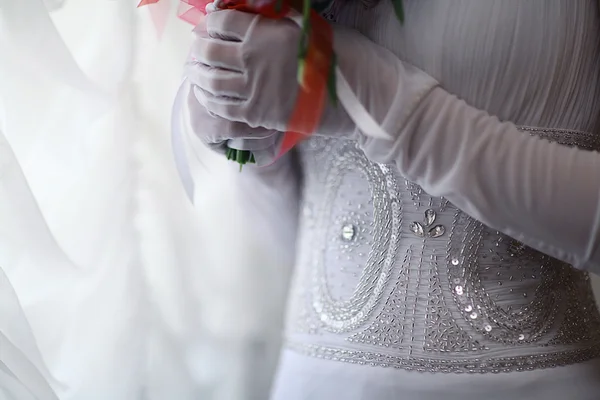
215	83
230	24
218	53
227	107
211	128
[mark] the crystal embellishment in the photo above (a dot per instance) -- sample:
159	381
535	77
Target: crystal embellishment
437	231
426	228
348	232
417	229
429	217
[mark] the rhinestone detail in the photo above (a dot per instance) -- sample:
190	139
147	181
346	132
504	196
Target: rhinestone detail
348	232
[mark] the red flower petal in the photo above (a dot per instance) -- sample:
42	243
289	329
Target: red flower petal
146	2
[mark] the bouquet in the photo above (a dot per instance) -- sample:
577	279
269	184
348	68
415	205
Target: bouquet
317	68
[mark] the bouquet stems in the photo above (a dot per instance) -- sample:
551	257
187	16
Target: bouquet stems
242	157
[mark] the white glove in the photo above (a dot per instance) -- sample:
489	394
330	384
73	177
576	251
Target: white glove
219	133
543	194
245	70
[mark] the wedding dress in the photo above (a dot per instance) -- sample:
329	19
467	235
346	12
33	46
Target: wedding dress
400	295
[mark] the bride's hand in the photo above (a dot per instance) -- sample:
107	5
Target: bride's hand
244	69
219	134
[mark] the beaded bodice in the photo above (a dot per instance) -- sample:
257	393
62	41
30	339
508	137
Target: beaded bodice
388	275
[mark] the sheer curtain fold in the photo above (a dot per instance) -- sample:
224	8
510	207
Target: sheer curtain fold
113	285
67	247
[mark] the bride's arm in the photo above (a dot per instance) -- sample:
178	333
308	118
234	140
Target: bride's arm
544	194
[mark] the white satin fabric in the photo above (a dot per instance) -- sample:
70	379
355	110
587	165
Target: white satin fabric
112	284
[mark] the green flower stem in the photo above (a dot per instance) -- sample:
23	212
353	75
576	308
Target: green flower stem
399	9
242	157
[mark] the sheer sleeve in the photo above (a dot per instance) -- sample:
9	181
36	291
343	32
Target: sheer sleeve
544	194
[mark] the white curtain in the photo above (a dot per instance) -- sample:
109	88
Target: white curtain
113	285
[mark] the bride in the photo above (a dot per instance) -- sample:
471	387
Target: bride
449	262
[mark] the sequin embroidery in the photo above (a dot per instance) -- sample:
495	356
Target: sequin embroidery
426	287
